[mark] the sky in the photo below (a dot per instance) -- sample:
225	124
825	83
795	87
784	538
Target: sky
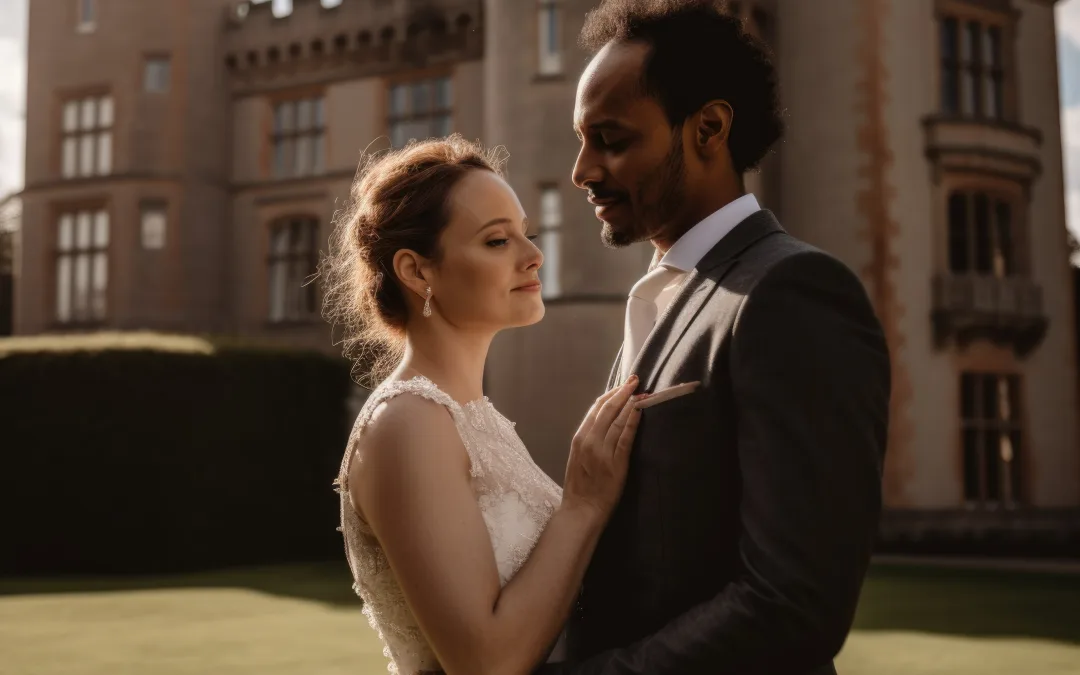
13	94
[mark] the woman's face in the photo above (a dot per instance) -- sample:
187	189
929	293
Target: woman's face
487	278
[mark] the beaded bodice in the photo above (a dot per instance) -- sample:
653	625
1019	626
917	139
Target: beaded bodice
516	499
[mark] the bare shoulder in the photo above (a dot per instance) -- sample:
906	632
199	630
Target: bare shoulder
406	437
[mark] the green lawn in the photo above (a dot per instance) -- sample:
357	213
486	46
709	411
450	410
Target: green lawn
305	620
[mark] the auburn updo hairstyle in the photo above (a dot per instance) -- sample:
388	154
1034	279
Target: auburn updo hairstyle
399	200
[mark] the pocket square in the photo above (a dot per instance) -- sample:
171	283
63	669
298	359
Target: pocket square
674	391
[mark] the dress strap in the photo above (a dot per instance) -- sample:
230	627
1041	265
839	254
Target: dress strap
417	386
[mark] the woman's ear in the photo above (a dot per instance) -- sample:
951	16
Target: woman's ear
410	267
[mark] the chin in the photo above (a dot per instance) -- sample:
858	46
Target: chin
533	316
617	236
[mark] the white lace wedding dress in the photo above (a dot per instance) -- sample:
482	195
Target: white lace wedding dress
515	496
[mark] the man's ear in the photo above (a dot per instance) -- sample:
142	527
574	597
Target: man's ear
713	126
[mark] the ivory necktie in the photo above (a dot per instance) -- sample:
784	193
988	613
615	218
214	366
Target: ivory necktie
641	313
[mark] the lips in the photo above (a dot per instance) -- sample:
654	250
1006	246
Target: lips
531	286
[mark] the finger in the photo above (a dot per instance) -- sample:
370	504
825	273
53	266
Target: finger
590	417
610	410
616	428
626	437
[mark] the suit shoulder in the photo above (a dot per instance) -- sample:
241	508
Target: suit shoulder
783	256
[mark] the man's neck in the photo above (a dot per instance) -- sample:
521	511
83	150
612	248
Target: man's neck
695	215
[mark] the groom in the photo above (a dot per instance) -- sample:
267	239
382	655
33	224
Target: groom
745	529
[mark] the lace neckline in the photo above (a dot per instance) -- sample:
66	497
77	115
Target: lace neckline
477	402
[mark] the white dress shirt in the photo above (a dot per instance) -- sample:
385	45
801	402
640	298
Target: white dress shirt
683	256
687	252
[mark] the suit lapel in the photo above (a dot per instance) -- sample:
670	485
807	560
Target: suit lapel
616	370
700	284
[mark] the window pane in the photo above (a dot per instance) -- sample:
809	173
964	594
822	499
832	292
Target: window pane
969	397
277	290
66	238
82	231
444	94
86	155
992	52
87	13
992	463
948	39
105	111
100	285
101	229
104	153
995	96
81	304
153	228
989	407
972	472
550	208
1003	253
156	75
551	246
320	113
398	101
442	125
279	157
983	254
280	241
71	155
958	232
303	156
87	118
421	98
71	116
397	135
1004	400
1014	399
950	90
303	115
318	164
63	289
1015	468
285	119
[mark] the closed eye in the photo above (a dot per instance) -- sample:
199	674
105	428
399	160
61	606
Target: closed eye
497	243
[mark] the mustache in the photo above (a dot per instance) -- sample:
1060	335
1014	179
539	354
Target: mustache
600	192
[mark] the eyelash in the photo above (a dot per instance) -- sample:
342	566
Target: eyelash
499	243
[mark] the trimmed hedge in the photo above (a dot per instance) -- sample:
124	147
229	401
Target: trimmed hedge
154	458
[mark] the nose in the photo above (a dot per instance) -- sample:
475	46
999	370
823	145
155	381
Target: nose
586	168
534	257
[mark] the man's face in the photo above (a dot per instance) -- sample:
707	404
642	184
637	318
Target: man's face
631	160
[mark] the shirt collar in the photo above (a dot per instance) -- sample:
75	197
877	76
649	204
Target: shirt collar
687	252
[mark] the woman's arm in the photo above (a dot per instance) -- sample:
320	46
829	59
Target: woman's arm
411	479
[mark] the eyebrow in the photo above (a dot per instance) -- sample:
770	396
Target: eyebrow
503	221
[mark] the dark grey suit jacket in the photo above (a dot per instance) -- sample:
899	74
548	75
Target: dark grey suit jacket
745	530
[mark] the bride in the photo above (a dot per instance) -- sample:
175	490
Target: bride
467	556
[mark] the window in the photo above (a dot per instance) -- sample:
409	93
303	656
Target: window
420	110
156	75
972	69
981	235
87	15
299	138
82	266
550	240
153	219
990	413
292	264
87	137
550	51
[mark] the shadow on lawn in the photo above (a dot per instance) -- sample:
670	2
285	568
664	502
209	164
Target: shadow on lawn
328	582
973	603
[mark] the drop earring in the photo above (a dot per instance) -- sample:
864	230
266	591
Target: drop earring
427	303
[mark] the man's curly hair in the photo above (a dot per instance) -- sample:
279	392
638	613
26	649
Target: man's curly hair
698	54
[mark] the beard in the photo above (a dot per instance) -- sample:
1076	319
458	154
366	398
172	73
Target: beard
669	178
